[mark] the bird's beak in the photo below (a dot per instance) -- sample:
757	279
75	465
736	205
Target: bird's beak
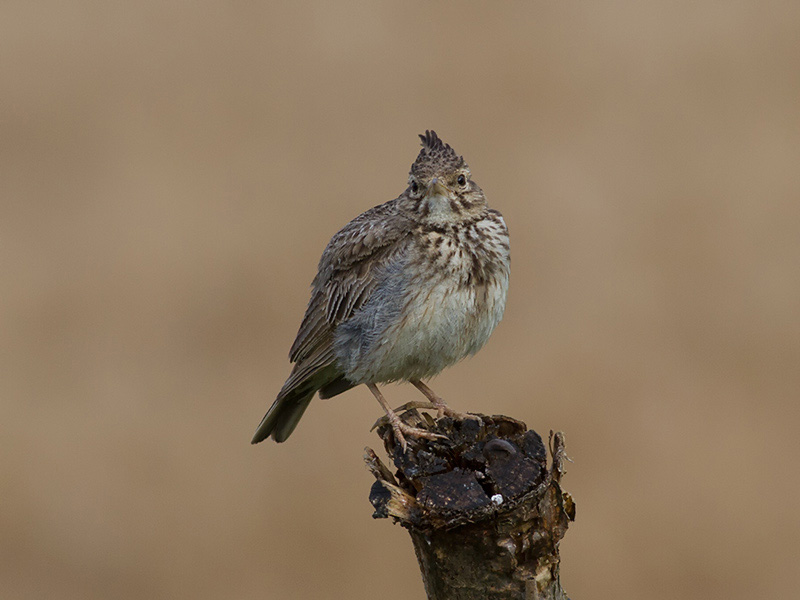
437	188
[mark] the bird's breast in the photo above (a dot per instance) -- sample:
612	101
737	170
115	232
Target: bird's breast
453	296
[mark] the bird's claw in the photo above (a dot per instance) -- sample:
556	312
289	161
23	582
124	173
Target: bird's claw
400	409
446	411
401	430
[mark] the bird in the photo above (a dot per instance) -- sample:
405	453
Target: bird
404	290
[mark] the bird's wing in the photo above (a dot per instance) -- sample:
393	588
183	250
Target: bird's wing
345	278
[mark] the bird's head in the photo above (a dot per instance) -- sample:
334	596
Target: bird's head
440	187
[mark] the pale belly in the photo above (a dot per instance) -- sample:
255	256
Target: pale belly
437	328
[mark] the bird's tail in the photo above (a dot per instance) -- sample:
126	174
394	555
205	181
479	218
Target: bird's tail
292	401
283	416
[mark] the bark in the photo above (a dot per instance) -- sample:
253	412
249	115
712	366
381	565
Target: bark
484	510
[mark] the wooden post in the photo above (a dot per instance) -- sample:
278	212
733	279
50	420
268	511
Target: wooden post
484	510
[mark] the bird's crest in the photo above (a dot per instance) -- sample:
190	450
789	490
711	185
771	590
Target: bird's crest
431	141
435	156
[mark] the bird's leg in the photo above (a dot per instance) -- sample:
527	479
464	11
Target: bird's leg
398	426
439	404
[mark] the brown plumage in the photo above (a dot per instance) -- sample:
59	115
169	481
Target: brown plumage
402	291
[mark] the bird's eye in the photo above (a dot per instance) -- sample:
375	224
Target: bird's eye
414	187
462	180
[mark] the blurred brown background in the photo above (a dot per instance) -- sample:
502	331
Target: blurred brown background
170	173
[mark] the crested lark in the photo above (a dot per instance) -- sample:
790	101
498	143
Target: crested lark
403	290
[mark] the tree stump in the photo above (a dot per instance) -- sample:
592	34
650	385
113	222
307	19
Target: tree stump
484	511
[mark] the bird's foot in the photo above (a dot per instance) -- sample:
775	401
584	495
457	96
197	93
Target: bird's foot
445	411
401	429
401	409
415	404
442	410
